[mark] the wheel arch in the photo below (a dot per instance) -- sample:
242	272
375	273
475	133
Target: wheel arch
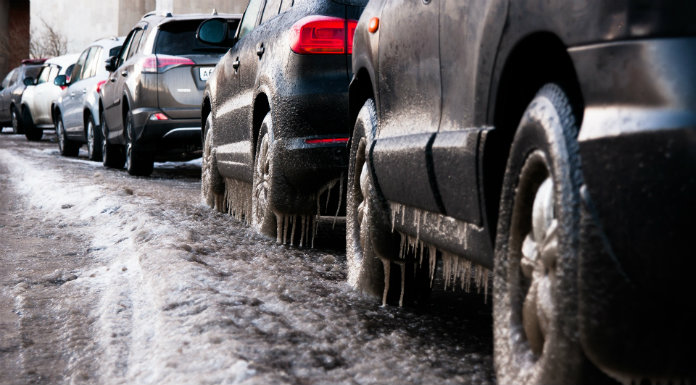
361	89
262	106
537	59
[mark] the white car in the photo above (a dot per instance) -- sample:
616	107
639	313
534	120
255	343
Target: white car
40	95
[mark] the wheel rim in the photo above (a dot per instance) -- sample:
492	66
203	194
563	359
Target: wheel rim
90	139
61	137
536	245
360	180
15	121
261	189
129	146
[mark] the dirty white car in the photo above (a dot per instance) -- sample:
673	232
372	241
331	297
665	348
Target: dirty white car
40	95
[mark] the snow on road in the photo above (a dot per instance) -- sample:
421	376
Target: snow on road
172	292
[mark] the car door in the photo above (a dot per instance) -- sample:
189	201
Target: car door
113	92
467	56
241	64
72	114
41	105
409	91
5	97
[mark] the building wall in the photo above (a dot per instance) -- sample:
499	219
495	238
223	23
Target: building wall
130	11
202	6
14	34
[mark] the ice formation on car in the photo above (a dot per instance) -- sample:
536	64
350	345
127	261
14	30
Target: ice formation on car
454	267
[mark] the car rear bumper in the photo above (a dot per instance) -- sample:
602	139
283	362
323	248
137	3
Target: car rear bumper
302	170
638	151
170	139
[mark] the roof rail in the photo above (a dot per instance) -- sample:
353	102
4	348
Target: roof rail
157	13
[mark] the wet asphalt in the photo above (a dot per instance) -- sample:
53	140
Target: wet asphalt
113	279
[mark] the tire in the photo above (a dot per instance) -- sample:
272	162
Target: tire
364	267
212	183
263	218
94	140
66	146
138	161
32	132
17	127
113	155
535	293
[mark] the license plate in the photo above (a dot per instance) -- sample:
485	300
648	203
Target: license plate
205	73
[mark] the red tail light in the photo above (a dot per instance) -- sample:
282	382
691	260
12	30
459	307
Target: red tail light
326	140
161	63
322	35
99	85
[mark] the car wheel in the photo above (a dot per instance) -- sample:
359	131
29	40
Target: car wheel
535	304
212	183
17	127
65	145
32	132
138	161
113	155
262	216
94	142
364	267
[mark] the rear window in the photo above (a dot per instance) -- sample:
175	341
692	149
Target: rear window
179	38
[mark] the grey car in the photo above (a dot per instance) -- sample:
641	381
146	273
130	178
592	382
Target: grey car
76	112
11	90
151	103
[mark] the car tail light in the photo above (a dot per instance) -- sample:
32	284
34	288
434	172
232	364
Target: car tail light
159	116
326	140
161	63
322	35
99	85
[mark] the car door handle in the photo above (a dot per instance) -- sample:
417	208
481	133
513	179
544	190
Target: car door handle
112	80
235	64
260	50
84	91
124	73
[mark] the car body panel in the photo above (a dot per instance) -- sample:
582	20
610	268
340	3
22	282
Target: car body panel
632	64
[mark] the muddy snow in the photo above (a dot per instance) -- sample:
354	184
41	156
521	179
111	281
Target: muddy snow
112	279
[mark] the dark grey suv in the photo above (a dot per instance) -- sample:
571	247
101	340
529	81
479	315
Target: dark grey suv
151	102
11	90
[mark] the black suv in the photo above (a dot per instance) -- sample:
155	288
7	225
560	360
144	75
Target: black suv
152	101
552	142
11	90
275	113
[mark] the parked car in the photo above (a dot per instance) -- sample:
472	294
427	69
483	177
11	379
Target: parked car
41	94
152	101
11	90
550	142
76	113
275	113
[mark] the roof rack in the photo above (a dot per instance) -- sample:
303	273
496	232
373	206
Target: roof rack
157	13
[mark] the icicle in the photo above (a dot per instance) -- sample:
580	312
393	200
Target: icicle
293	219
387	267
285	229
279	226
403	213
340	200
394	211
304	229
403	284
315	226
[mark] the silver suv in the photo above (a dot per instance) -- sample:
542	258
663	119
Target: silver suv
76	112
151	104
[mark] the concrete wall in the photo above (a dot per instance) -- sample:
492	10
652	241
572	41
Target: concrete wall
130	12
80	21
202	6
14	34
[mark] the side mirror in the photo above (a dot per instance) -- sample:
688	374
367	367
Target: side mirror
111	63
60	81
29	81
213	31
